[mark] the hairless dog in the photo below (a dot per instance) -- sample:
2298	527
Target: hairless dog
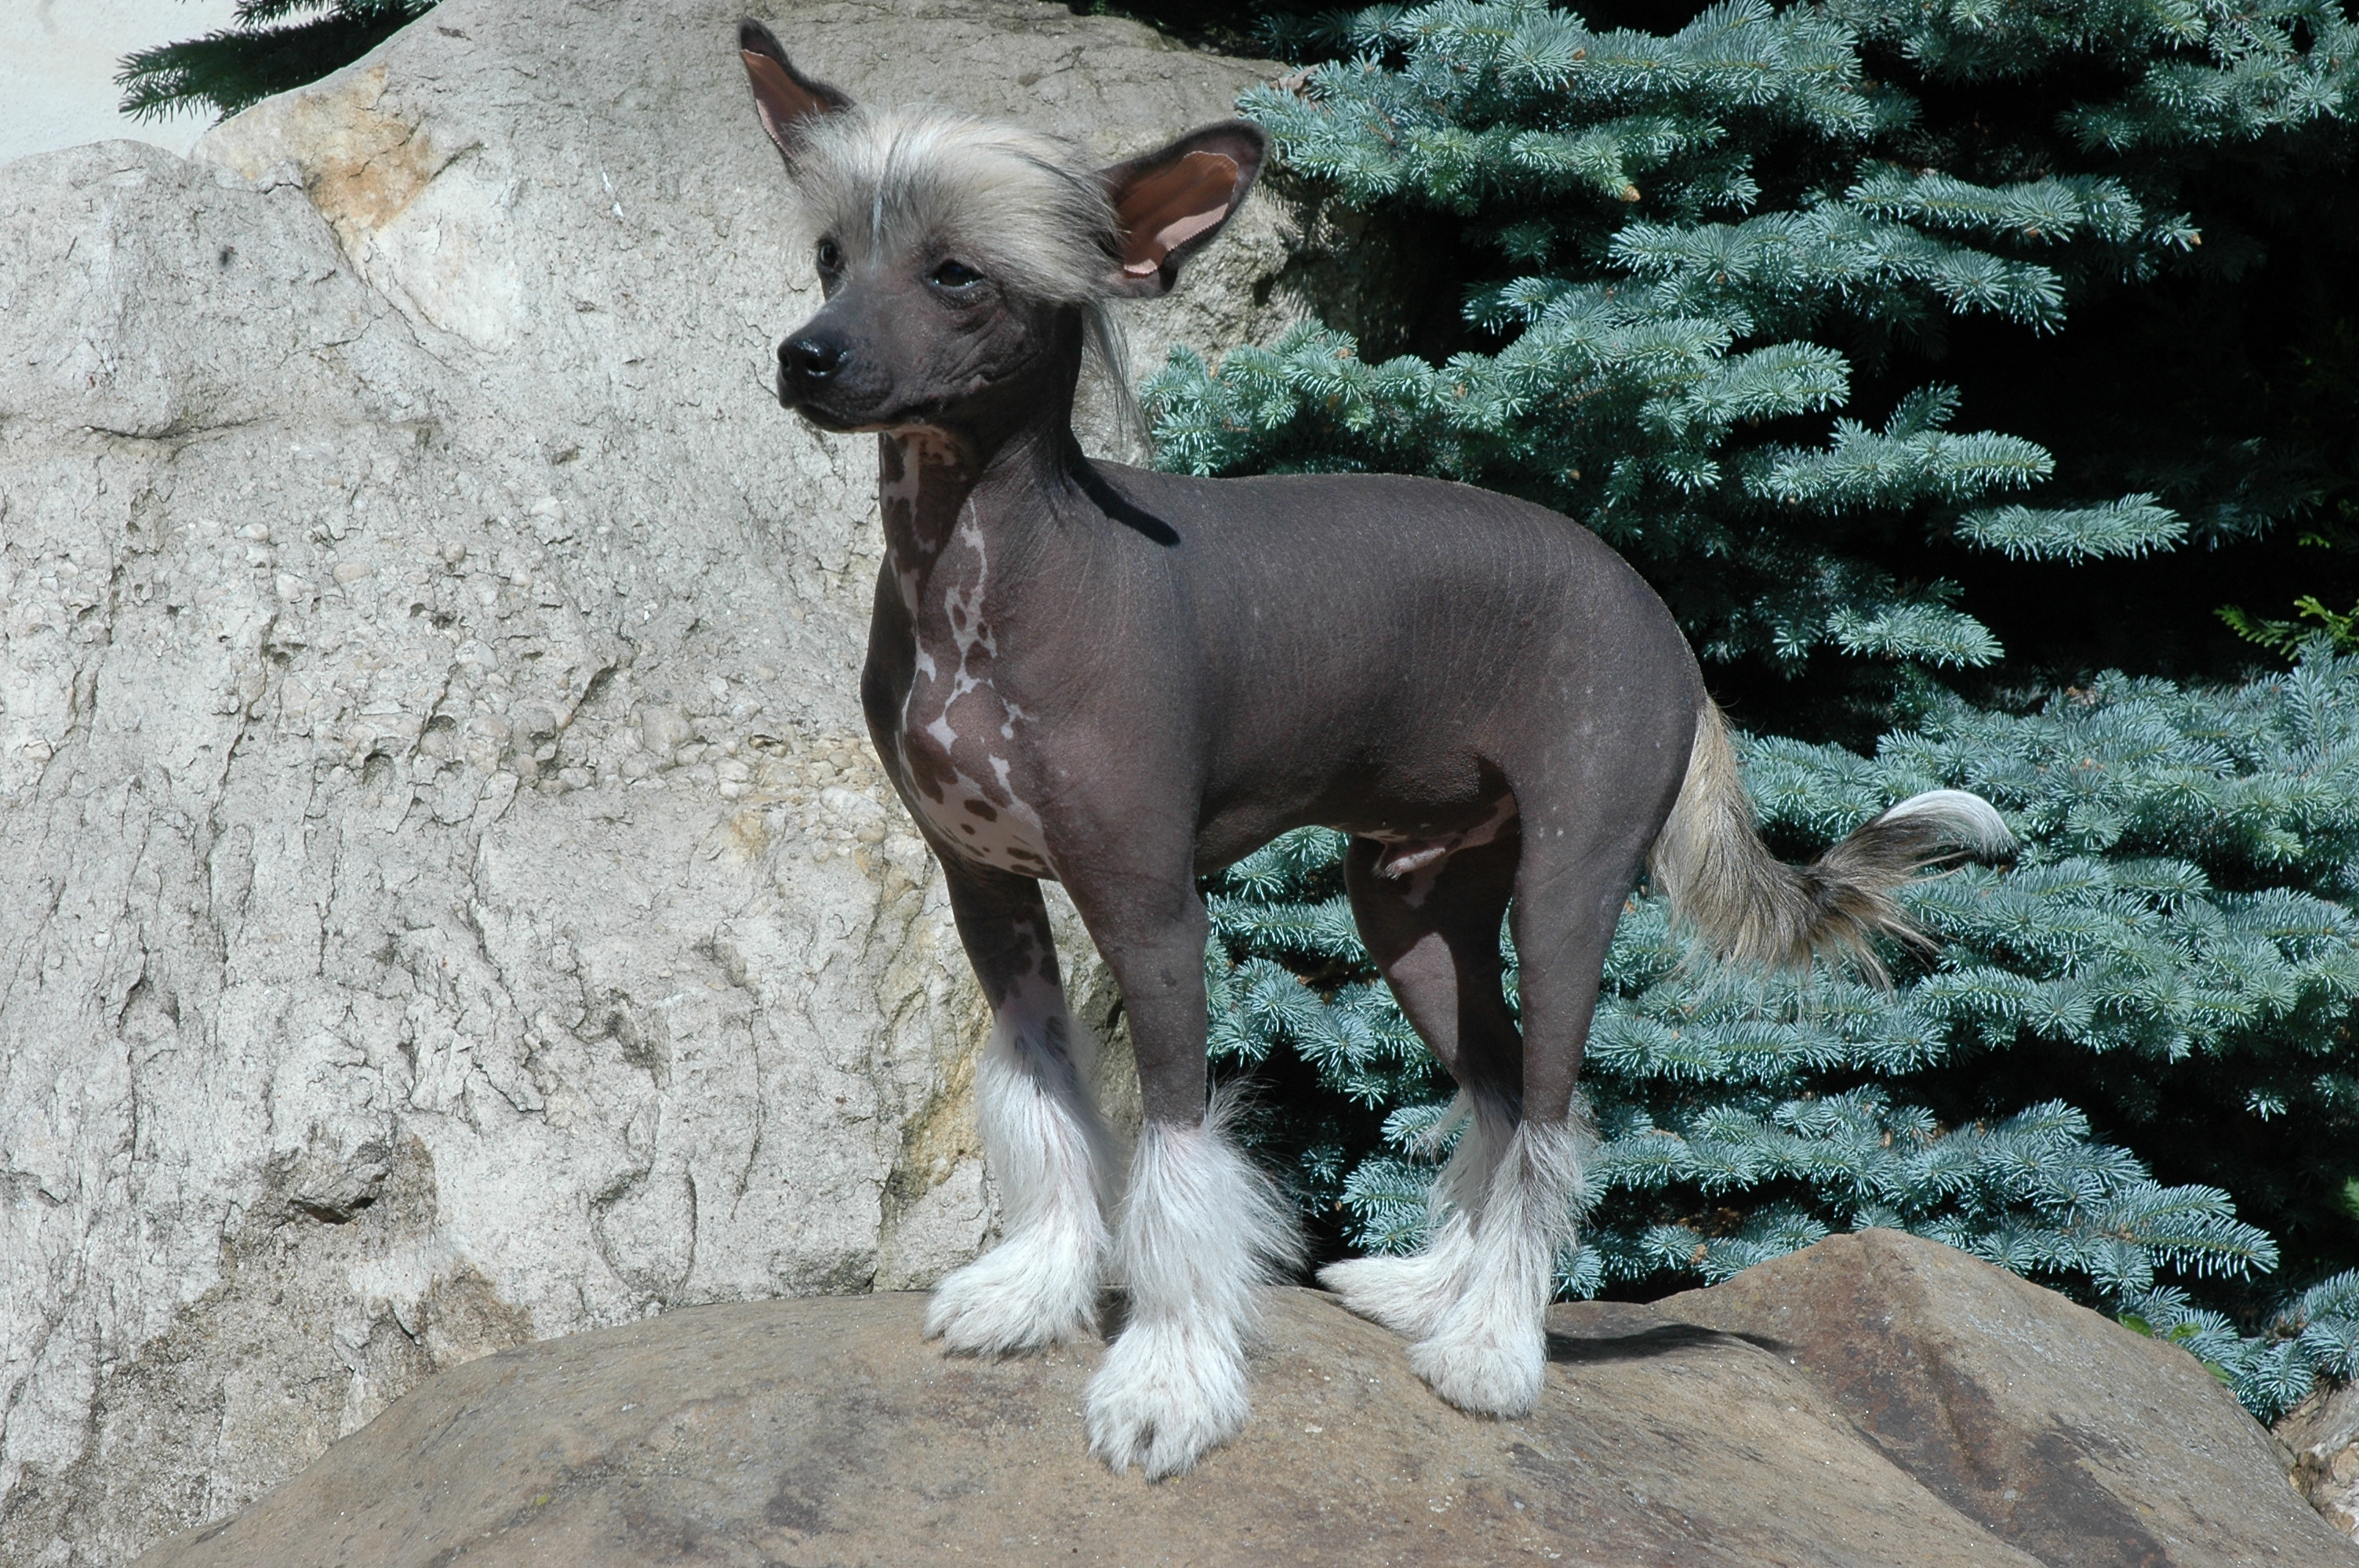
1121	680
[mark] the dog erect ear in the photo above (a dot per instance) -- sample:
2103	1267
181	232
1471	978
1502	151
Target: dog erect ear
1171	203
783	96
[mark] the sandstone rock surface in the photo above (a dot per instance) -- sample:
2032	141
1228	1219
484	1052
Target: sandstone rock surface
448	901
2322	1433
822	1432
2051	1427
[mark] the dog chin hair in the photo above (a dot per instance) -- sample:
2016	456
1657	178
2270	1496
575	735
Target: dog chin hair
1202	1229
1052	1161
1487	1351
1409	1294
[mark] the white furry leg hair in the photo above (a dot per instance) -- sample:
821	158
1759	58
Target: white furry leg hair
1486	1352
1407	1295
1202	1228
1054	1162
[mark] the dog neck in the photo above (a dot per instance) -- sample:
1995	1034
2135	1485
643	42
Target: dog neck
996	454
966	527
932	483
924	478
985	474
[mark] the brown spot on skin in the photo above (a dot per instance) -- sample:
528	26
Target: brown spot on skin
982	809
888	460
929	766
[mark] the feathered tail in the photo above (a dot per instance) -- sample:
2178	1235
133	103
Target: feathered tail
1748	905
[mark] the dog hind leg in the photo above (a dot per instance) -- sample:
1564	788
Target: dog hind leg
1435	935
1486	1351
1409	1293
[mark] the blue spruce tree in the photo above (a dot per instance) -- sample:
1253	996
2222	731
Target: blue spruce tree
1685	289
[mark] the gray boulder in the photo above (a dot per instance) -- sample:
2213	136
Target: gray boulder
825	1432
450	900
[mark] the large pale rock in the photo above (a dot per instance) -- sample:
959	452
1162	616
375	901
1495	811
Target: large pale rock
822	1432
448	899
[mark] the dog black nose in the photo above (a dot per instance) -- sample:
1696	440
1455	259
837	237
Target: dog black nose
811	358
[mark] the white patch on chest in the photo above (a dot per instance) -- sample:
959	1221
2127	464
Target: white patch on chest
1009	837
964	788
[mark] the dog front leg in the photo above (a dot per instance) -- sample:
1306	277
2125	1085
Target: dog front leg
1047	1149
1202	1228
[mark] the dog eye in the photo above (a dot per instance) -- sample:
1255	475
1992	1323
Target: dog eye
830	256
956	275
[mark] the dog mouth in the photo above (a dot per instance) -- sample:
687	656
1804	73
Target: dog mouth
866	421
834	424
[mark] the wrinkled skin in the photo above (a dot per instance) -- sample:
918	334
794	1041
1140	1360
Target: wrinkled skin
921	353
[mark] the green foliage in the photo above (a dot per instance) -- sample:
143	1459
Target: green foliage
267	52
1693	273
2338	629
2316	1335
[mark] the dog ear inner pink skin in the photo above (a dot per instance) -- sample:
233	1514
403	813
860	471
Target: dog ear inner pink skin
783	96
1169	204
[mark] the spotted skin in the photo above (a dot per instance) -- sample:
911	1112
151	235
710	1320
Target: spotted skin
955	741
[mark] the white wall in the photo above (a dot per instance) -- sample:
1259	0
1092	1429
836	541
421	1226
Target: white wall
58	60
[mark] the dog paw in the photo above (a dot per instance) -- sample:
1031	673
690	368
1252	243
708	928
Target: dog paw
1026	1294
1164	1399
1403	1295
1493	1368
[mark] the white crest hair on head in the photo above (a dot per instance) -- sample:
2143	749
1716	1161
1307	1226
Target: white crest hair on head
1024	208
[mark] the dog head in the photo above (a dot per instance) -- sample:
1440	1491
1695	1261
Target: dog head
965	262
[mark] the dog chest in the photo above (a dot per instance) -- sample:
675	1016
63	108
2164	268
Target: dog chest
957	732
958	744
982	817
